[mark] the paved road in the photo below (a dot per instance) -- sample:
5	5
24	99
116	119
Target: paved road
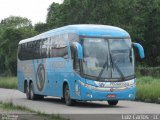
87	110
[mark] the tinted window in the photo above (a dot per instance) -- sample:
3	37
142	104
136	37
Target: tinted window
44	48
36	49
55	46
30	50
58	46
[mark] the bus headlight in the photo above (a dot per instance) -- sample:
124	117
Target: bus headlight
87	85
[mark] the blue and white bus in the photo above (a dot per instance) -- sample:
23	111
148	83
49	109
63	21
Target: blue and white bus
79	63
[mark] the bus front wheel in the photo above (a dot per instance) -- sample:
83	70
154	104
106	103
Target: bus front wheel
112	102
67	97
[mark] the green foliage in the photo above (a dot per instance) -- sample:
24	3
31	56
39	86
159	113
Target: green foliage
12	30
11	106
16	22
148	89
148	71
53	15
8	82
41	27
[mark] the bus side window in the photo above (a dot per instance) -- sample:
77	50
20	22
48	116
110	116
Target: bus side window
75	60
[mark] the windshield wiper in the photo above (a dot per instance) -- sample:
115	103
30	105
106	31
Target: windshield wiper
106	65
113	62
116	66
103	68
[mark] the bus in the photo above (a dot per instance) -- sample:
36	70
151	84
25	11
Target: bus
83	62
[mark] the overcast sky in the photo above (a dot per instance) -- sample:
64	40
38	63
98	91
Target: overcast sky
35	10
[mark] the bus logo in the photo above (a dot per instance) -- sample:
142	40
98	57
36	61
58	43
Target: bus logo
40	77
111	89
102	85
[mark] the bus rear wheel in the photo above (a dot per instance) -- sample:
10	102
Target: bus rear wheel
32	95
31	92
113	102
39	97
67	97
27	90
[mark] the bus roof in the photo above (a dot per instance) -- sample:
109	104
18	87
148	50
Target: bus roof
84	30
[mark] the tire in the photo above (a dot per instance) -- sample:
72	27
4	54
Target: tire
27	91
31	92
67	97
32	95
62	99
39	97
112	102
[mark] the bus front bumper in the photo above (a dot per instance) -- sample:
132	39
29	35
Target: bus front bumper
91	93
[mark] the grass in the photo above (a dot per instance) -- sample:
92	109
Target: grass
148	89
34	115
10	106
8	82
52	116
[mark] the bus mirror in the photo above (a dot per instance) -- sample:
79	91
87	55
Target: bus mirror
139	49
79	50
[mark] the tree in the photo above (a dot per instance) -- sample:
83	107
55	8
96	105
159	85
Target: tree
53	15
14	30
16	22
41	27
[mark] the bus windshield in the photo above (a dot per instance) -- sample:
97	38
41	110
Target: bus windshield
108	58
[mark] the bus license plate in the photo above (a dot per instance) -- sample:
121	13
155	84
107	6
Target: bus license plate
111	96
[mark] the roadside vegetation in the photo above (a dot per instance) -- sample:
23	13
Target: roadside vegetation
8	82
148	89
9	108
